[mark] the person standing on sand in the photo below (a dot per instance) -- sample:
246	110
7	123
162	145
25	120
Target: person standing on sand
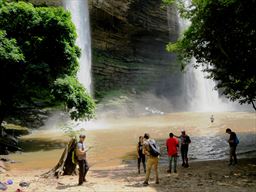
140	155
172	144
233	142
151	150
185	141
82	162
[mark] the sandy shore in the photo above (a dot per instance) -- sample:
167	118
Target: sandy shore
112	159
114	140
201	176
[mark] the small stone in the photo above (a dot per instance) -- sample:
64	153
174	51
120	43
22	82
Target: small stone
24	184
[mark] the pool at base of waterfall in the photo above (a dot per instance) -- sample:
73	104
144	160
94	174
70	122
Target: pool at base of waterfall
114	140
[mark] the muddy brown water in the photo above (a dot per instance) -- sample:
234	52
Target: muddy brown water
114	140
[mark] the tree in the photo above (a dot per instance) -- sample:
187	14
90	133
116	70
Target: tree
222	38
65	165
68	162
38	60
11	58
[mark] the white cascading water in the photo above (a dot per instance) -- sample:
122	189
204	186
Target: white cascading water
199	92
80	17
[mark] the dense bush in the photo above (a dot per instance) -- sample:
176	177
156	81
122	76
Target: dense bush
37	51
222	37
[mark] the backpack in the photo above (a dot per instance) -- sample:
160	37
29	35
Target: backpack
73	151
154	149
236	140
74	157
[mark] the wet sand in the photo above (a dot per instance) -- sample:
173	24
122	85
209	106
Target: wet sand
113	161
114	140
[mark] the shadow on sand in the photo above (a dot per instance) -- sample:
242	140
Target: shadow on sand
62	187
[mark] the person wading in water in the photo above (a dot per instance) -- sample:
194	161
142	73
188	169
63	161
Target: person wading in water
140	155
212	119
82	162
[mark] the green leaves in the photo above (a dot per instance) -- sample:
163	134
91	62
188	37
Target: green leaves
169	1
78	101
9	51
37	49
222	34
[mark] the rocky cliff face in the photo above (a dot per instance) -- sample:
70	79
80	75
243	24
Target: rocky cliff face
128	43
129	39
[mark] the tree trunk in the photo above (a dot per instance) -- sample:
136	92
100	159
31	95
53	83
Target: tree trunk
2	114
65	166
253	105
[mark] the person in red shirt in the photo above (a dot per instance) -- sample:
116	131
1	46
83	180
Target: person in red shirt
172	144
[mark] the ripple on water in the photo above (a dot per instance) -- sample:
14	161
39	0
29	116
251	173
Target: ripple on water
216	147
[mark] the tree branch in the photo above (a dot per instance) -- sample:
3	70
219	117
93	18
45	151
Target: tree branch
253	104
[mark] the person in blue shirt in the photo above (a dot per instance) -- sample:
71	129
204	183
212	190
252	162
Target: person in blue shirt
233	141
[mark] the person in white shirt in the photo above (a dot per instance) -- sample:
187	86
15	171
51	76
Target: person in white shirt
82	162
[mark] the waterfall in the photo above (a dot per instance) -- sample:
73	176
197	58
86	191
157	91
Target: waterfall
80	17
199	92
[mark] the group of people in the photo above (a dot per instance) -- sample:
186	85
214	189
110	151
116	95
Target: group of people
148	153
148	147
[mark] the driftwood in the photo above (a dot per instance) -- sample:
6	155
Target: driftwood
65	166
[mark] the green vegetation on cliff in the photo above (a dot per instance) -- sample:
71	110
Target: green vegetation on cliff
39	60
222	38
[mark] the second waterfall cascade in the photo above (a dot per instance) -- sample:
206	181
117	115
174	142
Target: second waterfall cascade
199	92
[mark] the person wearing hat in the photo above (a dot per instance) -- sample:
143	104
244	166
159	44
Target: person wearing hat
185	141
82	162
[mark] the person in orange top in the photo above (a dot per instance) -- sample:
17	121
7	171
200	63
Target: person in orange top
172	145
